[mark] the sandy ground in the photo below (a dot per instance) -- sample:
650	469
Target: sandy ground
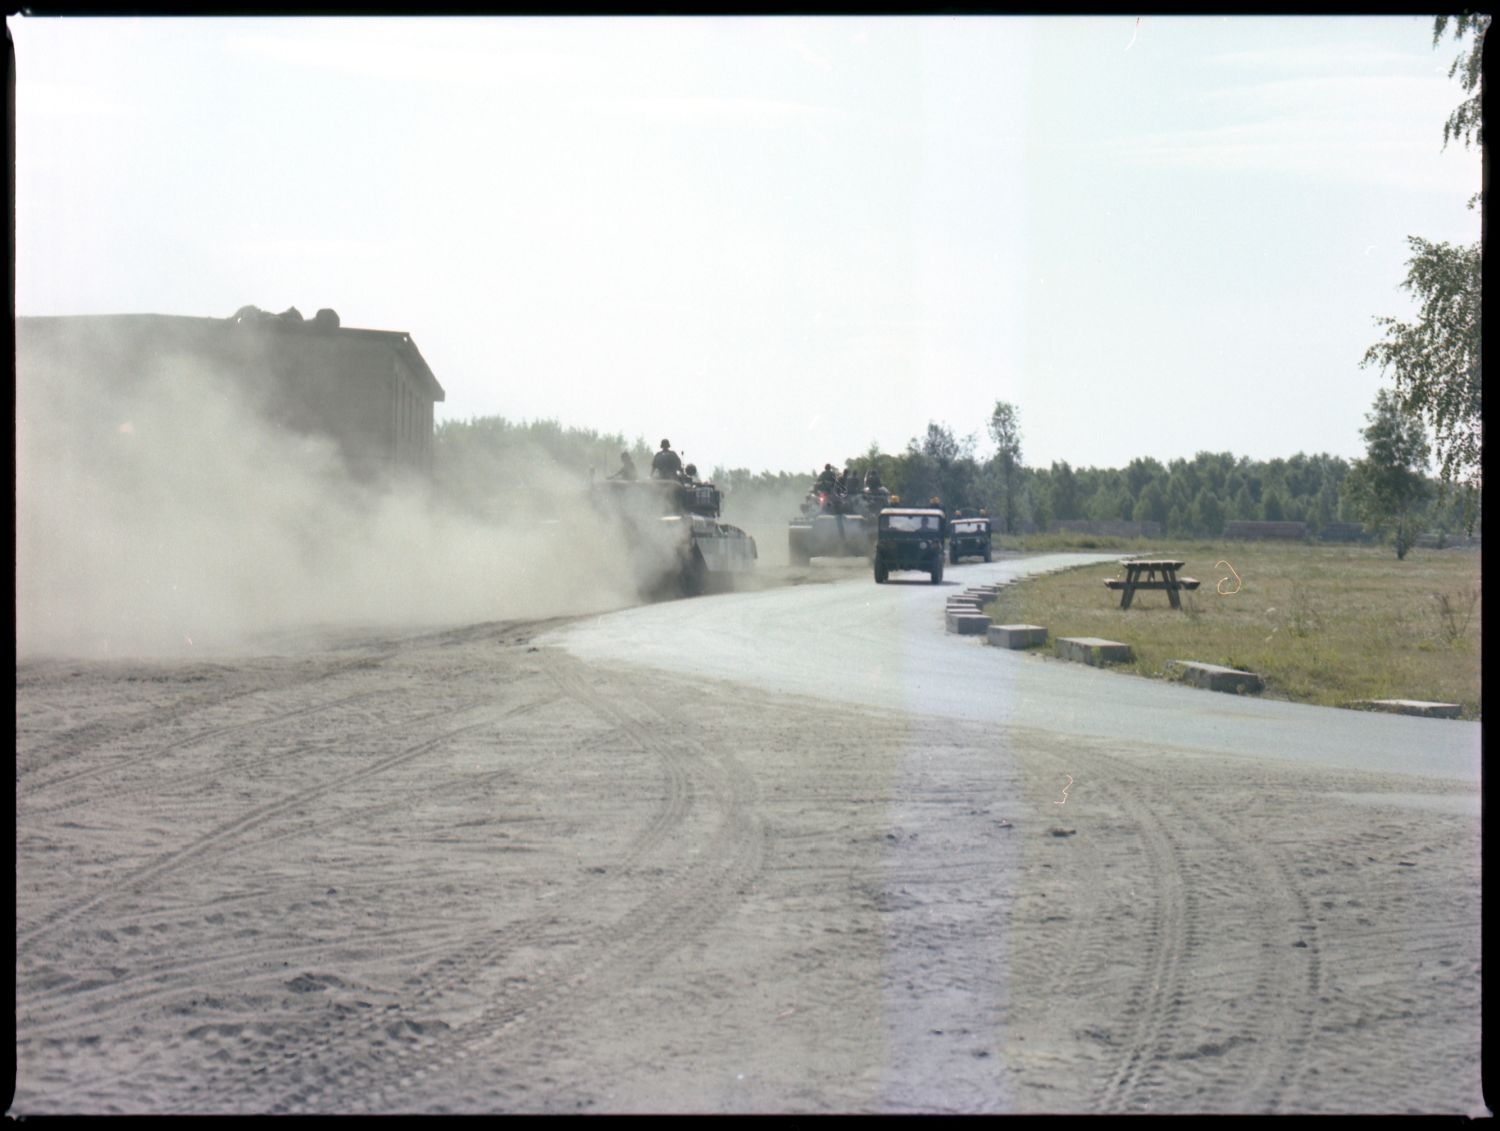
458	871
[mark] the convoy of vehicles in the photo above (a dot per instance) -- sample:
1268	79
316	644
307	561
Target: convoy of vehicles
680	547
910	538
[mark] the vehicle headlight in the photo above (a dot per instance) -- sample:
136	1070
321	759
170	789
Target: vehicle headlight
921	545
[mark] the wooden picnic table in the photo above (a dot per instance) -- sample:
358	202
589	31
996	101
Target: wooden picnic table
1143	574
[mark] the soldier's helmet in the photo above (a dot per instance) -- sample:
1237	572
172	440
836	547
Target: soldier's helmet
666	444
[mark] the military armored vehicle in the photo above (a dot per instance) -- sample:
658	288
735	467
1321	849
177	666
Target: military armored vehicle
910	538
835	525
678	545
969	536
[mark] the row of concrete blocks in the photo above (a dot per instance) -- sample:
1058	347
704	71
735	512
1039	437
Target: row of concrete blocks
965	619
963	610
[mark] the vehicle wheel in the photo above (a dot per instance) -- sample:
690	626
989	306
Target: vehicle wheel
797	548
881	573
953	556
987	553
937	573
694	577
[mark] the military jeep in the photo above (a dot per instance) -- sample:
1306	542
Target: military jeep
910	538
969	538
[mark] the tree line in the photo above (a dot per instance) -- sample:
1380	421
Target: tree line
486	457
1185	498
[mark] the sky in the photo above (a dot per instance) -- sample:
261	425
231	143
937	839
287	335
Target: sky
774	241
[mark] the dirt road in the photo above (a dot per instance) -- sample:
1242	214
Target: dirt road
468	870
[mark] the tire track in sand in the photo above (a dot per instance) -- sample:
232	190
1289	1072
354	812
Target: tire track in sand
105	999
1161	983
29	809
296	675
399	1054
226	834
88	1004
76	742
1198	859
468	963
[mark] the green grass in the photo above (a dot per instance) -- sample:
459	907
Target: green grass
1051	543
1321	624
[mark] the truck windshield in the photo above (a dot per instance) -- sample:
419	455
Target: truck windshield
911	523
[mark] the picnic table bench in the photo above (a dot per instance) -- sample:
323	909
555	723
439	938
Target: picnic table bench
1144	575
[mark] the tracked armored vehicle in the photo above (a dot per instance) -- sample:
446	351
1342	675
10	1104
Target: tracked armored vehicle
834	525
678	545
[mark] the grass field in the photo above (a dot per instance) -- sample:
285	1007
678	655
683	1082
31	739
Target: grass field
1322	624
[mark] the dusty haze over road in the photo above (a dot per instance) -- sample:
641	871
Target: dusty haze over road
161	515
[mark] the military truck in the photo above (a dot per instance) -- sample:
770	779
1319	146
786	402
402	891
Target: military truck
678	545
833	525
910	538
968	536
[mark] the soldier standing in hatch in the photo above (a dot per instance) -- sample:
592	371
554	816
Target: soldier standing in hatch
666	464
627	468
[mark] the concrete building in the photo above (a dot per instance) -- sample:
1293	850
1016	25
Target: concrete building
369	390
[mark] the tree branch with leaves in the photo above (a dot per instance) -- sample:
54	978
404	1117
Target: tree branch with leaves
1435	360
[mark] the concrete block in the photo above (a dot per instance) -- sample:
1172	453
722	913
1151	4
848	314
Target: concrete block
1410	707
1216	677
1016	635
968	624
1093	650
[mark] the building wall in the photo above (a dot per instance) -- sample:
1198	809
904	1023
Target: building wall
413	420
367	390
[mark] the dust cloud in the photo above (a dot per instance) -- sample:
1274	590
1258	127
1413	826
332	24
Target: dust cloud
163	515
765	515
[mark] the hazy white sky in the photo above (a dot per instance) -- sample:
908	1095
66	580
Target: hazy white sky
773	240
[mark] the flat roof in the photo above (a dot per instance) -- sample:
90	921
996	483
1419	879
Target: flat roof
398	340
